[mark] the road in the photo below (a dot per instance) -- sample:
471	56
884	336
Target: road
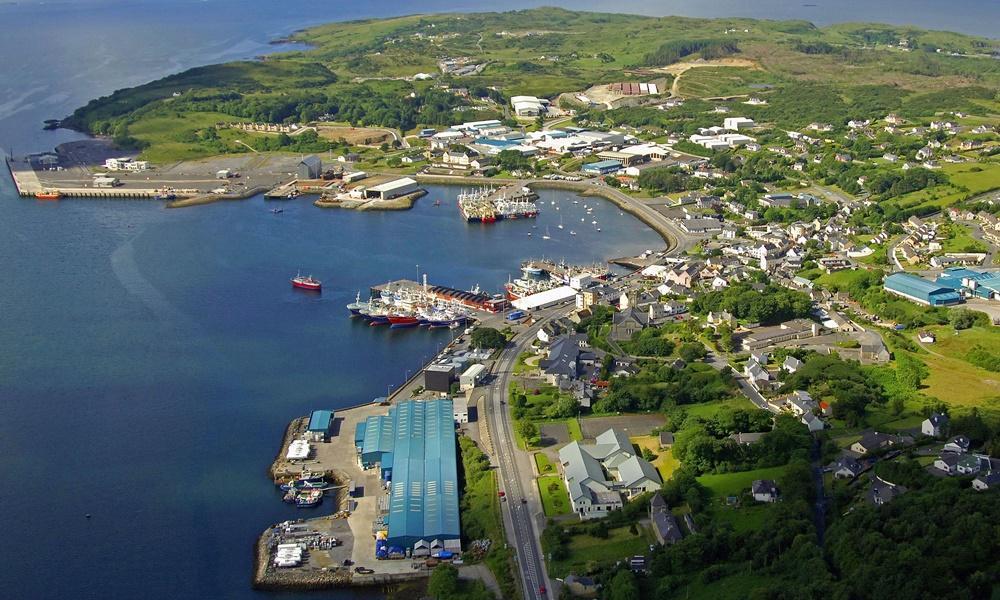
523	521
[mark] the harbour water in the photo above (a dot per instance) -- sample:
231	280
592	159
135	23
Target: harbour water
149	358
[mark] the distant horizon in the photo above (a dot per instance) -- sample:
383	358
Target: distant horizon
969	17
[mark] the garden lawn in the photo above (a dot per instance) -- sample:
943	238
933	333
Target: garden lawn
744	518
732	484
555	498
707	410
664	462
584	549
543	463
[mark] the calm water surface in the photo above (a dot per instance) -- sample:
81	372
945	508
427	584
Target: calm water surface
149	359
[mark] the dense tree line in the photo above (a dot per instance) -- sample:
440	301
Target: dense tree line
674	50
827	376
769	305
705	446
658	386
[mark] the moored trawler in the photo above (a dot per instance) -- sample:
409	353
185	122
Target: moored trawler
357	306
485	206
307	282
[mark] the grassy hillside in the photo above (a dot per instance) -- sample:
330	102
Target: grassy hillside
362	72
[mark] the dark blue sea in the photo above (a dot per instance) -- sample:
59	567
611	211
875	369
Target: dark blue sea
150	358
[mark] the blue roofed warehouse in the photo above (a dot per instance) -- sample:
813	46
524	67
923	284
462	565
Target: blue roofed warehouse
414	445
920	290
320	425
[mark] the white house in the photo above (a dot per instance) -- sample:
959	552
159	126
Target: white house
934	425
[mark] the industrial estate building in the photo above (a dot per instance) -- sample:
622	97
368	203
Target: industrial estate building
597	476
920	290
392	189
414	448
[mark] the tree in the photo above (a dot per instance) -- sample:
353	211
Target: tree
488	337
963	319
443	583
623	586
692	351
528	430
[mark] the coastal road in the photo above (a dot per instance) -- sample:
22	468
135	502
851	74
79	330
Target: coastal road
523	520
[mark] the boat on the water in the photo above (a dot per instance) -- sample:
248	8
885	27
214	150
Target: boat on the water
166	196
277	210
357	306
307	282
48	195
308	498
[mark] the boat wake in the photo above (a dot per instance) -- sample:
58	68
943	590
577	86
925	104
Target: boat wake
127	271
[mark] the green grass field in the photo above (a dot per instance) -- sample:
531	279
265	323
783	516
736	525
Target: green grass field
555	498
959	239
587	550
732	484
543	463
705	82
966	179
952	379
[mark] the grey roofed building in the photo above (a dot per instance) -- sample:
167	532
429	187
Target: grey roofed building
846	467
635	473
666	439
596	474
791	364
934	425
872	440
665	525
881	491
958	443
310	167
746	438
566	357
764	490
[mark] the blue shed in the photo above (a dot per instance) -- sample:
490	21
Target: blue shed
320	425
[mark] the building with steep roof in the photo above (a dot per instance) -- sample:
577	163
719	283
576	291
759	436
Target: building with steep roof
665	526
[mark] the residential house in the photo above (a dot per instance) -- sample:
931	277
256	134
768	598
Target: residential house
958	443
872	441
986	481
791	364
764	490
746	439
935	425
568	358
881	491
846	467
665	526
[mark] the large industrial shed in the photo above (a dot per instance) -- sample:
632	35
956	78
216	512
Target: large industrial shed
415	446
921	290
392	189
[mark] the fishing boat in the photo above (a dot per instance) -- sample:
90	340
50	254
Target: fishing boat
307	499
357	306
399	320
48	195
165	196
437	202
277	210
546	236
560	222
306	282
308	483
571	232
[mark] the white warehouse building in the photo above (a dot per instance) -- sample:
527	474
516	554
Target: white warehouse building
529	106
